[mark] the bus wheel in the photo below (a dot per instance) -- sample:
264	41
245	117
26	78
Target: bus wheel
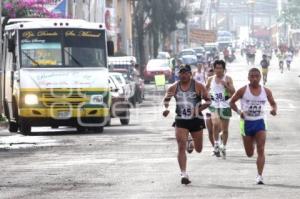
13	127
25	127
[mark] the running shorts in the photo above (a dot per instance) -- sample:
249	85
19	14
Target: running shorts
192	125
251	128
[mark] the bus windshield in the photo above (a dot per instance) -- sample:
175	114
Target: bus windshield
62	48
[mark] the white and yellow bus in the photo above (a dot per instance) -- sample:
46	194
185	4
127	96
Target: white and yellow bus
55	74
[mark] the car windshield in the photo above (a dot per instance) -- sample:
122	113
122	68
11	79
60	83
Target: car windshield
121	65
119	78
200	50
156	64
182	53
62	48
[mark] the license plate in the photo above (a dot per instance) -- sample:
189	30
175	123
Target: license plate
63	114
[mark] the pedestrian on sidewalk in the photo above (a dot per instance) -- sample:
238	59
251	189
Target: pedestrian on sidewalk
189	119
254	98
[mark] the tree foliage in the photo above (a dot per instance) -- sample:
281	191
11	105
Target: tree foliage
291	13
158	19
27	8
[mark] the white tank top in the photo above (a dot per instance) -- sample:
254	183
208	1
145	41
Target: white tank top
219	95
200	77
254	106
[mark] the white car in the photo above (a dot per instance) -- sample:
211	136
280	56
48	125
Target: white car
127	87
119	101
163	55
188	56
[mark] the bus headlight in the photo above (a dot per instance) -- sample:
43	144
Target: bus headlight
31	99
96	99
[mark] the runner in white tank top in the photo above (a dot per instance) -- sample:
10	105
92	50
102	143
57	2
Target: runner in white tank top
199	75
253	129
220	87
253	106
219	95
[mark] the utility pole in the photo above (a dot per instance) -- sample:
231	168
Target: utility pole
1	69
69	9
251	3
124	22
1	31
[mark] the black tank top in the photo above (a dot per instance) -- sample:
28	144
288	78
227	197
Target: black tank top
186	101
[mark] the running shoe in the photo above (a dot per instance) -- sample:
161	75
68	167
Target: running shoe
259	179
185	179
217	151
223	152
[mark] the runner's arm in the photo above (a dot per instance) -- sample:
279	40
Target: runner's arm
201	90
208	83
272	102
238	95
169	94
229	86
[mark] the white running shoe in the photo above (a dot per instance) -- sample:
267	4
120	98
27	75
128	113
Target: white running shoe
259	179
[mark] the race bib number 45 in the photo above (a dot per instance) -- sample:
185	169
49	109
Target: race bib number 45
187	112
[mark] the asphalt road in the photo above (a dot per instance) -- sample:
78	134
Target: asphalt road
139	160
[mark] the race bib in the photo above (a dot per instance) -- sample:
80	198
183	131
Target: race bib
218	97
254	110
186	112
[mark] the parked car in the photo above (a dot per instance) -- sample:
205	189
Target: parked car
119	102
163	55
121	64
211	51
200	52
188	56
125	65
157	67
126	85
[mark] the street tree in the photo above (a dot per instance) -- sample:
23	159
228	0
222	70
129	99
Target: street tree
291	13
158	19
27	8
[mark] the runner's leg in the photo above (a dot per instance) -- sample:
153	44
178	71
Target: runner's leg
225	125
260	138
249	145
181	137
209	127
198	140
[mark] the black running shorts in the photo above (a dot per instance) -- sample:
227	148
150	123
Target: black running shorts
192	125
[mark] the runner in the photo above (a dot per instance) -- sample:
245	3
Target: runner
199	75
221	88
188	95
264	68
253	129
289	58
208	120
281	58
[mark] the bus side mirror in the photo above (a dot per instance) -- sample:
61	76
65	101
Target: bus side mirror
11	45
110	48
